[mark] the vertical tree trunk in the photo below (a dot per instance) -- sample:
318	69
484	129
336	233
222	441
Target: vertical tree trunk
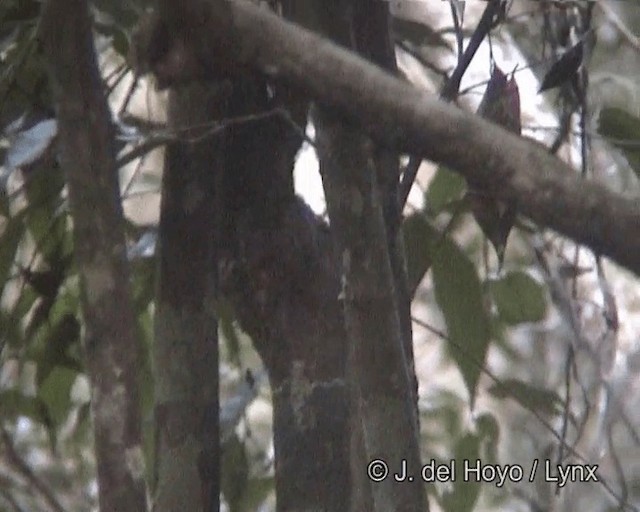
187	459
87	155
278	270
360	184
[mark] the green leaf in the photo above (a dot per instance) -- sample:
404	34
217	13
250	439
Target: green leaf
55	392
419	234
519	298
623	131
459	295
465	493
530	397
445	189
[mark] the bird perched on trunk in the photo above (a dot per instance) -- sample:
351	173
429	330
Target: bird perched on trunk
501	105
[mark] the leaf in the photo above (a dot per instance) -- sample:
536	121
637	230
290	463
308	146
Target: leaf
531	397
55	393
459	295
465	494
565	69
27	146
519	298
445	189
419	234
622	129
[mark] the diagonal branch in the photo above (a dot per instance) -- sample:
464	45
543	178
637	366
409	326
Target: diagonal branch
396	114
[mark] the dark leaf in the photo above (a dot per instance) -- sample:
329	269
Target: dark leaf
565	69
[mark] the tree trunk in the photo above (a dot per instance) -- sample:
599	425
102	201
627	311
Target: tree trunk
87	155
278	270
187	458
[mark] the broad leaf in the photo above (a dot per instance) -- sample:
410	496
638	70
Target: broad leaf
55	392
459	295
519	298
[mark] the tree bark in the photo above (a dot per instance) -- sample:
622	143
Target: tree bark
278	270
185	351
383	391
87	155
